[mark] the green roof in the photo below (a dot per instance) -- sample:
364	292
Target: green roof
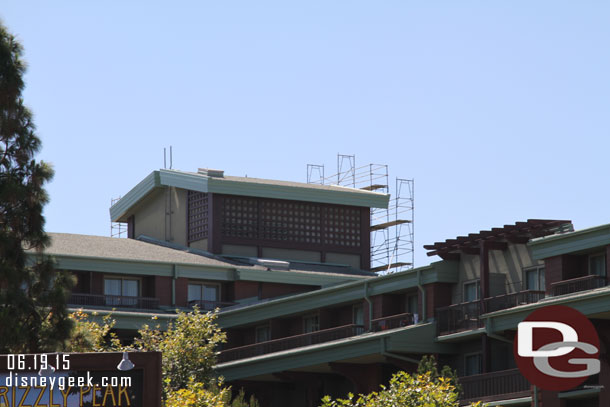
571	242
441	271
246	186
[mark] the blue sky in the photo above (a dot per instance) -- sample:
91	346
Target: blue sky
499	110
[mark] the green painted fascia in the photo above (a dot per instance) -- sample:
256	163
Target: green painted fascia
343	293
202	183
461	336
294	277
127	319
347	197
184	180
413	339
134	196
580	240
521	401
113	266
588	303
218	274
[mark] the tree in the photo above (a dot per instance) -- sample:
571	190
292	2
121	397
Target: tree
188	347
404	391
427	364
33	314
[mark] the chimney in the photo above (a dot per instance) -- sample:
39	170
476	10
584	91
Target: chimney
211	173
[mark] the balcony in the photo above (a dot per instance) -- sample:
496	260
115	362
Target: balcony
291	342
114	301
206	305
465	316
578	284
391	322
502	385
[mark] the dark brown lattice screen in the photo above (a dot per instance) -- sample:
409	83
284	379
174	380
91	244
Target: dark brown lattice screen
197	216
294	222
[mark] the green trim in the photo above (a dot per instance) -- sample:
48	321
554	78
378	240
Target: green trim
337	195
461	336
204	272
411	339
296	277
134	196
579	394
580	240
588	302
202	183
442	271
521	401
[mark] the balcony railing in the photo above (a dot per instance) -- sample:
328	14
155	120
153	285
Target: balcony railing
391	322
465	316
117	301
512	300
206	305
505	384
291	342
578	284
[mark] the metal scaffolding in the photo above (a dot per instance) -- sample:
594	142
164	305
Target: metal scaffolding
392	229
117	229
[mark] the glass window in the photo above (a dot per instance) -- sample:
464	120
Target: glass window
112	286
471	291
473	364
358	315
207	294
121	287
311	323
534	279
597	264
263	333
194	293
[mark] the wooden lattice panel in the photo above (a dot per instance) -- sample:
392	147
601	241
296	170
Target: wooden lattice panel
240	217
197	216
342	226
290	221
302	223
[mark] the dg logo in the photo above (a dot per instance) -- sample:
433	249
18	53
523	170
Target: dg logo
557	348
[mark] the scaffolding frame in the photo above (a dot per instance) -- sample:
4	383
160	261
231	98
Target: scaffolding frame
117	229
392	228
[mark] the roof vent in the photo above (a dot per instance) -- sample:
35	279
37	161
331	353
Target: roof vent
211	173
269	263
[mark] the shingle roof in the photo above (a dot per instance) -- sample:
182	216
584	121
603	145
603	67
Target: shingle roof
68	244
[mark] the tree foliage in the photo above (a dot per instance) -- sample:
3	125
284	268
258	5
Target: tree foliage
404	390
188	349
32	293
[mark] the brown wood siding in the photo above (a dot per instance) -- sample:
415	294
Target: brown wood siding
163	290
245	289
182	291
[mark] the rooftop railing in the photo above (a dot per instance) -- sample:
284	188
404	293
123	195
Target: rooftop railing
291	342
116	301
465	316
578	284
391	322
505	384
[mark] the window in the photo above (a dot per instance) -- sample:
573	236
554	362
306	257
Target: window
534	278
473	364
204	295
121	287
472	290
311	323
412	304
358	314
263	333
597	264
